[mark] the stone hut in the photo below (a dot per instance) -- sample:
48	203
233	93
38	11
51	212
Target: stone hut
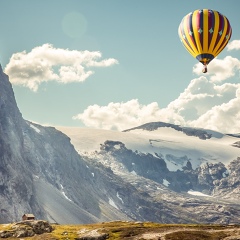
28	216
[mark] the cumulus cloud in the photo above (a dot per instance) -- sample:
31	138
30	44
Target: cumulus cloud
233	45
223	118
200	96
205	104
120	116
219	69
202	104
46	63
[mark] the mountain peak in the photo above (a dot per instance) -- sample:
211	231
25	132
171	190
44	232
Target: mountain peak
197	132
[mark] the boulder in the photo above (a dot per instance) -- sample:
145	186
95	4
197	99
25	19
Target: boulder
92	235
27	229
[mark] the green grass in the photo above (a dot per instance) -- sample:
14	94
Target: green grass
128	230
196	235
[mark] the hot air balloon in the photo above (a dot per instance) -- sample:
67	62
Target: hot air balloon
204	33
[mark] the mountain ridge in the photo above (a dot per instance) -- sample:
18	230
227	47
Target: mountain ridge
215	181
94	175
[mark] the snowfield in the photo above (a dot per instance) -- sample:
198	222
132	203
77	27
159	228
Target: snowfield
175	147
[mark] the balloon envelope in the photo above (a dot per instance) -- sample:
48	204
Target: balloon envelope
204	33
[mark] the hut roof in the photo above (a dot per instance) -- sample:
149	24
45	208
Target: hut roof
29	215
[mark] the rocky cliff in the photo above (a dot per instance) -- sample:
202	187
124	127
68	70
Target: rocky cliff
41	173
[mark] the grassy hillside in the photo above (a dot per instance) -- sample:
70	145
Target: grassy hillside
135	230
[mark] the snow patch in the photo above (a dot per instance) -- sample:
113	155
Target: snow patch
225	174
117	146
120	198
64	194
35	128
165	182
173	167
133	172
196	193
92	174
112	203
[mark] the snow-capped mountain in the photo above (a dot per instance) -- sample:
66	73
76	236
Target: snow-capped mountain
84	175
179	166
175	145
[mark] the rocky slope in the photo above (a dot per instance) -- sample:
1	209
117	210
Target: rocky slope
187	173
42	173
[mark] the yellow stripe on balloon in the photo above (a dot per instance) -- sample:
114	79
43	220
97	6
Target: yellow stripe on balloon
205	30
188	37
215	32
184	43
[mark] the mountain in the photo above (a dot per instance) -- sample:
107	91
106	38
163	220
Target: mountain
190	171
148	173
41	173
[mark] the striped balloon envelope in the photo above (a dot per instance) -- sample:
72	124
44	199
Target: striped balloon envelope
204	33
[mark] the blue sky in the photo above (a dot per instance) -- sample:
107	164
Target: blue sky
116	64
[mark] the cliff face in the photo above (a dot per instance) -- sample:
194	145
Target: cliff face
41	173
15	178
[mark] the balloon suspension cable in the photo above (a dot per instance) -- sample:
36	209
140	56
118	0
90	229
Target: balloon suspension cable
204	68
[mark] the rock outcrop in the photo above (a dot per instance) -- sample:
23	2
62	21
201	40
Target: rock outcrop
92	235
27	229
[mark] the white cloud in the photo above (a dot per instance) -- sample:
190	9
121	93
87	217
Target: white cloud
200	96
205	104
46	63
219	69
202	104
120	116
233	45
212	106
224	118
